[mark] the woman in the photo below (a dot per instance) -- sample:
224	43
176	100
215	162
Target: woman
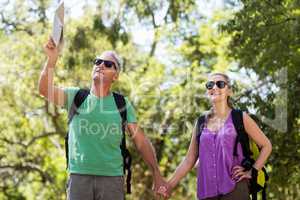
220	174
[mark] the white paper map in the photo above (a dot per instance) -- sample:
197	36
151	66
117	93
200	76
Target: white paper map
58	24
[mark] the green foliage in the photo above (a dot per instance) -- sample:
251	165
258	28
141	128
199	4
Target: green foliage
260	38
266	40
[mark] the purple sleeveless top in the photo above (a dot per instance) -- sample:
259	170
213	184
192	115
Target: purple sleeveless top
216	161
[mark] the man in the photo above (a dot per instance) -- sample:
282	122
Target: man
95	160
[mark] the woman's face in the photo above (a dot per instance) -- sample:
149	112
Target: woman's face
217	89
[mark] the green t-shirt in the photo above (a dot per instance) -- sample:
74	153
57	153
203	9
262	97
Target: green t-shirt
95	135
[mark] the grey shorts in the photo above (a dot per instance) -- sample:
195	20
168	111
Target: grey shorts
90	187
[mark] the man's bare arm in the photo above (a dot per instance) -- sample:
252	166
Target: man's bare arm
47	89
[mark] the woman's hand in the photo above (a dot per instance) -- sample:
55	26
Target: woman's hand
239	173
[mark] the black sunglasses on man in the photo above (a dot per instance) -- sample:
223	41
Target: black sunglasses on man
107	63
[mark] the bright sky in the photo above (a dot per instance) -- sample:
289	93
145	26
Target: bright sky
141	35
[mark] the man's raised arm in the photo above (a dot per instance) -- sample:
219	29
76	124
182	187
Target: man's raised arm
47	89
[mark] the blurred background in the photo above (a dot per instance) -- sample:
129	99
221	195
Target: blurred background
168	48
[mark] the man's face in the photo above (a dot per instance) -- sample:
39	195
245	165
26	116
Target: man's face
105	70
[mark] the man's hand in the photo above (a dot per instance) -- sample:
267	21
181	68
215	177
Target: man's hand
46	86
147	152
51	50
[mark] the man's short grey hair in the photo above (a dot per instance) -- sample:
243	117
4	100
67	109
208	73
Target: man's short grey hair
116	57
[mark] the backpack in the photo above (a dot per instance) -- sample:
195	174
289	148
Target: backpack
250	152
79	98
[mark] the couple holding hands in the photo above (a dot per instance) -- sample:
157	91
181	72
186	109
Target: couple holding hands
95	160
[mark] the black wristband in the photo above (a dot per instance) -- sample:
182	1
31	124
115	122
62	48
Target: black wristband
254	172
247	163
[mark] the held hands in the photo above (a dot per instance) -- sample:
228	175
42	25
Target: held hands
157	184
161	188
165	191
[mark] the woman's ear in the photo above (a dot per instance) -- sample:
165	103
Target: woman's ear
116	76
230	92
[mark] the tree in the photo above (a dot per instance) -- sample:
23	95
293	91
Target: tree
266	41
167	98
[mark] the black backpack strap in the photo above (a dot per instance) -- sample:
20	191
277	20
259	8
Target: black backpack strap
264	191
121	104
79	98
242	137
254	188
199	127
